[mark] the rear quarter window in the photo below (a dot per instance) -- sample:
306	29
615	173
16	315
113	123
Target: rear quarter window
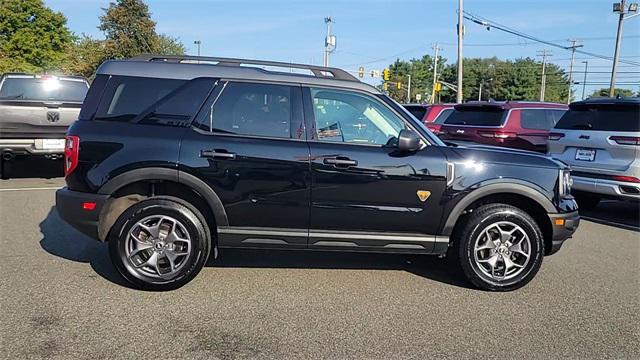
613	118
443	116
535	119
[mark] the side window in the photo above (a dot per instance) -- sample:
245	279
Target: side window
442	117
256	110
350	117
125	97
535	119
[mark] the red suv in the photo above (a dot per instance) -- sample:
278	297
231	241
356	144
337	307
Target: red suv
513	124
432	115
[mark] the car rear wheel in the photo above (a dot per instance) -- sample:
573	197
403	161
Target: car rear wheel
499	247
160	243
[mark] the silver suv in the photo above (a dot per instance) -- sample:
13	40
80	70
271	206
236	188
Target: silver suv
600	140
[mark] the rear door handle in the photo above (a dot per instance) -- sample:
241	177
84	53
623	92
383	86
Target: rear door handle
217	154
340	162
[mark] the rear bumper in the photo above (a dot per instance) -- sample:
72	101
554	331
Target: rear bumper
70	207
563	225
29	146
611	188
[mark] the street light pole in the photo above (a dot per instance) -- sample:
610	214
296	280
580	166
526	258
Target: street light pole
584	81
460	30
409	90
480	91
329	42
197	43
622	9
435	72
573	56
543	80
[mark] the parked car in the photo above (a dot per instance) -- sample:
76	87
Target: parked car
600	139
432	115
36	111
512	124
176	157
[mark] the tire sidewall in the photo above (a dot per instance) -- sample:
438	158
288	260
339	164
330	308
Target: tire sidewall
474	228
200	242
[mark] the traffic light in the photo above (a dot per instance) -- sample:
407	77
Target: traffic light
438	86
361	72
386	74
398	85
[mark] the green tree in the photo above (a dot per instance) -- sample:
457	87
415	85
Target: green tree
168	45
604	92
84	56
128	29
33	38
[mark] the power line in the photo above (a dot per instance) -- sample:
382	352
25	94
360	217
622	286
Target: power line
492	24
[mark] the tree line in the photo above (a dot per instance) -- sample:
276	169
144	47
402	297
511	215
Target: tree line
36	39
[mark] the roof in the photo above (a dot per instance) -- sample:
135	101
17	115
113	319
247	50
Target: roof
604	101
31	76
430	105
191	67
506	105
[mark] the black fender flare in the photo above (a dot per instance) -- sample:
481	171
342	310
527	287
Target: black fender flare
158	173
496	188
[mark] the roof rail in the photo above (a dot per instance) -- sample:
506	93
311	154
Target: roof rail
318	71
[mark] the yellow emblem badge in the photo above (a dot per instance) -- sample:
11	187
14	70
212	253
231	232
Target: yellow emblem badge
423	195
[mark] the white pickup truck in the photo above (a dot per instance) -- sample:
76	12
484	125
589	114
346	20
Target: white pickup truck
35	112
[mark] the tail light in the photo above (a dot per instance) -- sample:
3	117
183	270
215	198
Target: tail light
496	134
626	140
434	129
626	178
71	152
555	136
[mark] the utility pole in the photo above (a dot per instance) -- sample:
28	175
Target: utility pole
409	90
620	8
435	72
460	31
543	80
480	91
584	81
197	43
329	42
573	56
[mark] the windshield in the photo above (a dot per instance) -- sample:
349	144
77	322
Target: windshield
601	119
43	89
476	117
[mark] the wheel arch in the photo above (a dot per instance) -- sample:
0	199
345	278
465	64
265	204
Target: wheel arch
133	186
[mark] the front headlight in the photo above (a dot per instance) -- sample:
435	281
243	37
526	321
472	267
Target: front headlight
565	183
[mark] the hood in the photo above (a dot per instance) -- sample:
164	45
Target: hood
504	156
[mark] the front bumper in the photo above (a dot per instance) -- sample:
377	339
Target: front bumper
610	188
70	206
563	225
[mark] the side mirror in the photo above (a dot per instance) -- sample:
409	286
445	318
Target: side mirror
408	141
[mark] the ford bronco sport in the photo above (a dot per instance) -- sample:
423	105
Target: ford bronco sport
176	157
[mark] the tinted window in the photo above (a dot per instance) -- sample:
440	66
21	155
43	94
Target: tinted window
178	107
350	117
442	117
254	109
43	89
417	111
602	119
555	115
535	119
125	97
92	99
476	117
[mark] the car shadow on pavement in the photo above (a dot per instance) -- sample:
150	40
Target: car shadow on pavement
621	214
60	239
23	167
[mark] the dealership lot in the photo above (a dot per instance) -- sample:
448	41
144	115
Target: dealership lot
62	298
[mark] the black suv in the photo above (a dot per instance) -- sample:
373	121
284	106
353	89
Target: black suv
173	158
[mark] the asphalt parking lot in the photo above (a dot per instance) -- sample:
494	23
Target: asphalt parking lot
61	298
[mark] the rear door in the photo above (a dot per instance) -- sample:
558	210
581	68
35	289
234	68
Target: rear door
34	106
365	194
594	138
248	144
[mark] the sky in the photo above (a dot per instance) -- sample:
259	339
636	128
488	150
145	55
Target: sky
374	33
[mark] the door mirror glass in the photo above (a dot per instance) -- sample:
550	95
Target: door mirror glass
408	141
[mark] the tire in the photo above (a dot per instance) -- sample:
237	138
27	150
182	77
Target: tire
586	201
476	253
172	246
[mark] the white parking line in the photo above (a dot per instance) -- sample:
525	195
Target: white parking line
32	188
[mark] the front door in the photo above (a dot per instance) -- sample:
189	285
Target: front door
248	144
365	193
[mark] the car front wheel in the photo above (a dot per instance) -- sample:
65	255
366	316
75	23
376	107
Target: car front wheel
499	247
160	243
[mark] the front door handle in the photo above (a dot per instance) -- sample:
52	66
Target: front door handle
340	162
217	154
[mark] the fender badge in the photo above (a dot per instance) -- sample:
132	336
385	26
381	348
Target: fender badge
423	195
